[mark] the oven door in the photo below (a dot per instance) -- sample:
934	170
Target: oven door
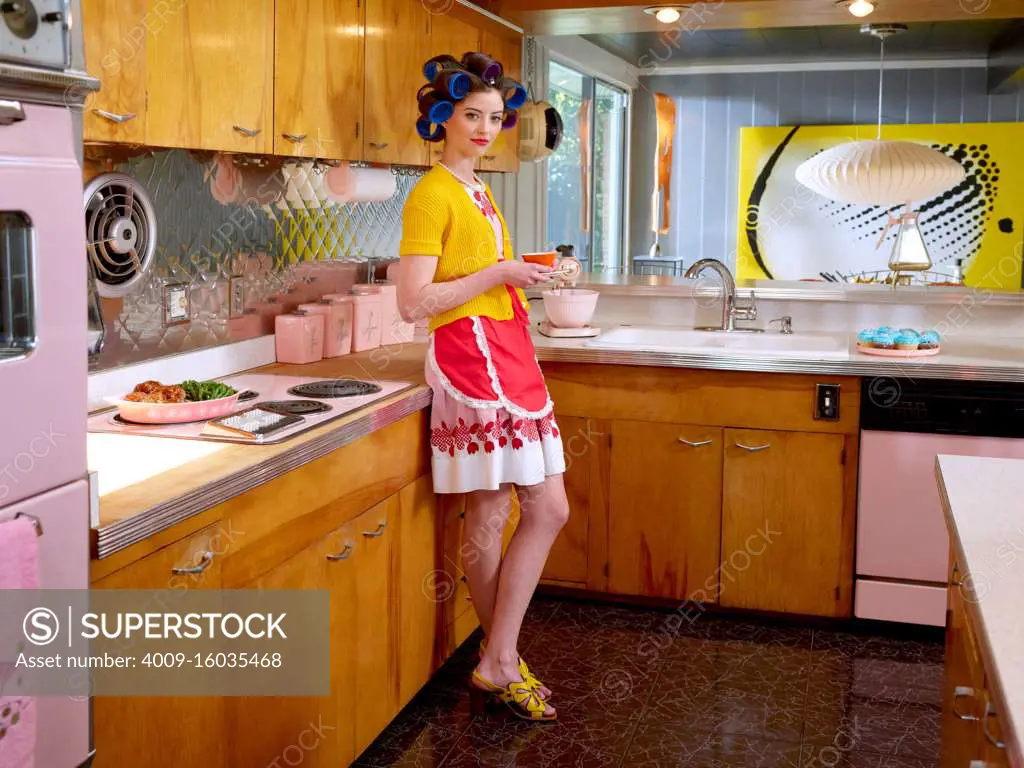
43	355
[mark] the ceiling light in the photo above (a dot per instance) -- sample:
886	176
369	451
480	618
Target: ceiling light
859	8
665	14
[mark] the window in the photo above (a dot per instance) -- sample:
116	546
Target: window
586	175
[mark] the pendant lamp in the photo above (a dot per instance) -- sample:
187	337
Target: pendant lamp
889	173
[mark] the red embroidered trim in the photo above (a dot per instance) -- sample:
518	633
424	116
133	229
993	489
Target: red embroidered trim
471	438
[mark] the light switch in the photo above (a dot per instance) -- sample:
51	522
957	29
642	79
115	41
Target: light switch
826	402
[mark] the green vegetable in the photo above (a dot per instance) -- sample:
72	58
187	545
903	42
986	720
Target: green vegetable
205	390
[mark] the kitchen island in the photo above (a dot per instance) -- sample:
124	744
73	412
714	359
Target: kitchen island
983	717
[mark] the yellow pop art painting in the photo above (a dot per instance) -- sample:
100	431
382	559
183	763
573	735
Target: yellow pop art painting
788	232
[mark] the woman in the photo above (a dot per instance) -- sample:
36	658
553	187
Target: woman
492	425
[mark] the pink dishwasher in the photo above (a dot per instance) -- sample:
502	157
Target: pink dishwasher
902	545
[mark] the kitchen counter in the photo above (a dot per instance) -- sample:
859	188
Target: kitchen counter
982	501
998	359
148	484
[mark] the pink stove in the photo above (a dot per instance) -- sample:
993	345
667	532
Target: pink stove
271	409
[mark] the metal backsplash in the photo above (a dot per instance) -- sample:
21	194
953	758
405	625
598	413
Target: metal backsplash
202	243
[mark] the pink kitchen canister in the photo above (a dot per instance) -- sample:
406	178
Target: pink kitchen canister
367	329
268	311
395	329
337	313
299	337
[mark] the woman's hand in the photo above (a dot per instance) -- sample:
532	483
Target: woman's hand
521	274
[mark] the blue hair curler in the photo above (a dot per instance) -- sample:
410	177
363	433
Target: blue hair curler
457	85
509	121
440	111
428	131
516	98
435	66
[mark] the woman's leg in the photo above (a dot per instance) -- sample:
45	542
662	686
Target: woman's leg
487	513
544	510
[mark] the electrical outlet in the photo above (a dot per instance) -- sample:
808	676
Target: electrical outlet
826	402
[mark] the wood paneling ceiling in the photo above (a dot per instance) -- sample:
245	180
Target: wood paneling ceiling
564	17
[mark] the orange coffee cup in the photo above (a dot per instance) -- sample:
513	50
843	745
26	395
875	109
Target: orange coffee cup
547	258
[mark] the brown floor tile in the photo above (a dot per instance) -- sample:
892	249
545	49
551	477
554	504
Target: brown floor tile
830	757
657	745
423	733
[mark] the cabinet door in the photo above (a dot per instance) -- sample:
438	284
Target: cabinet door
318	78
454	37
377	690
503	154
419	587
961	699
263	734
210	75
787	536
165	730
115	51
665	510
397	45
585	445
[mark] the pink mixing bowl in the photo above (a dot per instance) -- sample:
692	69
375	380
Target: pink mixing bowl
570	307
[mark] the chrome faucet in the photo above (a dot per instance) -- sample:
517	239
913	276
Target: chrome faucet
731	310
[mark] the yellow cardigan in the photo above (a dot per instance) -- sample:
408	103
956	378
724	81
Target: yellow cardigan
440	219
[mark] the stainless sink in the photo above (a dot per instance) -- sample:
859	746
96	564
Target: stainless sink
689	340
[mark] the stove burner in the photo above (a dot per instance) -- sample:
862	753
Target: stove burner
247	395
294	407
335	388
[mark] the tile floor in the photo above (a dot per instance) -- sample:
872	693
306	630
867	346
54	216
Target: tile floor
637	687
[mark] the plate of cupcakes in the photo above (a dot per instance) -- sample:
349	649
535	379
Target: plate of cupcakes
898	342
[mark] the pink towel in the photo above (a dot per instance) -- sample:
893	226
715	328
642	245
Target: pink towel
19	569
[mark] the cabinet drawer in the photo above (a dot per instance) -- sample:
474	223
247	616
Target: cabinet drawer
191	563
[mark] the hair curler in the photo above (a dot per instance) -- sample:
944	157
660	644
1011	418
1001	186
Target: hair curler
428	131
515	96
433	67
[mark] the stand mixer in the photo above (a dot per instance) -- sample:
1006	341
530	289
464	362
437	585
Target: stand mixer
568	308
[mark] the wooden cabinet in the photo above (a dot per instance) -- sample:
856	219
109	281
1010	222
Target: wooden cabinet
376	681
319	728
455	37
115	52
665	510
585	447
318	78
970	717
210	76
787	539
151	739
397	45
503	154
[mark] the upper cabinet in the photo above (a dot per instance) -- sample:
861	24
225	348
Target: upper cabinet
334	79
210	74
503	154
115	50
318	78
454	37
397	44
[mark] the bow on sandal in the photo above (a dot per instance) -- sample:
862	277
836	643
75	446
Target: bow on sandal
518	695
528	677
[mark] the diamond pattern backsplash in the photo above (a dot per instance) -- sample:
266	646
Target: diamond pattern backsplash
217	220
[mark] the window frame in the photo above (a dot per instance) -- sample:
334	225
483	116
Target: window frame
596	77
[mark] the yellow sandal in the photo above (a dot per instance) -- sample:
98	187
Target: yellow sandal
524	671
522	699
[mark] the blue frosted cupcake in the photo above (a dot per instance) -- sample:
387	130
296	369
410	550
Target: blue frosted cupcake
929	340
866	337
907	341
884	339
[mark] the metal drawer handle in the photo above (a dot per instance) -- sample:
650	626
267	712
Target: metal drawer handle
692	444
248	131
378	532
984	726
343	555
11	112
296	137
378	144
752	448
203	564
113	117
963	692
